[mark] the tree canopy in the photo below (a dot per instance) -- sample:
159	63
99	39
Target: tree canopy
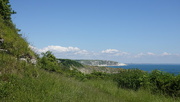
6	10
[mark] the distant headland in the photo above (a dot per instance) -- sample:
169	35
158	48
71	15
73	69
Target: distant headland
100	63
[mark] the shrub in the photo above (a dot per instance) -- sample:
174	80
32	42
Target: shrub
165	83
49	62
157	81
132	79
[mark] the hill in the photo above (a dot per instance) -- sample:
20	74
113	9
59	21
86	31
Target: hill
100	63
53	80
86	69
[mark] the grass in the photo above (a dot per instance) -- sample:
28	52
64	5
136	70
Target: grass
24	82
53	87
142	95
14	43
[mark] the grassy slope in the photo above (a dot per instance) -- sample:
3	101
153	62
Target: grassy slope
53	87
89	69
13	42
23	82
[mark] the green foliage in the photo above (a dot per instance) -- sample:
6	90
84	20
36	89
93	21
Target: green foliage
6	10
10	69
97	62
124	95
49	62
99	75
157	81
76	74
24	82
132	79
5	87
67	63
165	83
14	44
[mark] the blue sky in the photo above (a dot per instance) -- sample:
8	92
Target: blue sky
128	31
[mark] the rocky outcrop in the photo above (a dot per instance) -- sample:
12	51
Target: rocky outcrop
1	41
28	60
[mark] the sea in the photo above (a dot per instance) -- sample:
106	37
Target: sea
170	68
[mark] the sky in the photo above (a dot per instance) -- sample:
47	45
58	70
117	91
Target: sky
127	31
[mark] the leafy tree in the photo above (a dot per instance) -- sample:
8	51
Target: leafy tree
6	10
49	61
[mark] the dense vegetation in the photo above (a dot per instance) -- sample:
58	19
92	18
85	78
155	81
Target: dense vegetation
6	10
54	80
156	81
67	63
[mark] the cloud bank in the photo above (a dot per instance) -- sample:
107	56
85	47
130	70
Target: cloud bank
109	54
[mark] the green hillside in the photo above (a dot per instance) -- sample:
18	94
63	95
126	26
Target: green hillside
58	80
98	62
69	63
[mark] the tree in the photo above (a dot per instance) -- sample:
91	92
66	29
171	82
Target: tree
6	10
49	62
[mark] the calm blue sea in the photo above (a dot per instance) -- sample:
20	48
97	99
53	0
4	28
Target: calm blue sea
170	68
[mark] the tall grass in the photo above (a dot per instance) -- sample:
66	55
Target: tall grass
14	43
52	87
38	85
125	95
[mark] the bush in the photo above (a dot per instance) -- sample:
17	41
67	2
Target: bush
132	79
49	62
157	81
165	83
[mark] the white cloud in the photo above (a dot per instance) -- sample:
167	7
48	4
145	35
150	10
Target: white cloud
150	53
166	54
63	52
114	52
144	54
121	53
82	52
60	49
139	55
110	51
108	54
